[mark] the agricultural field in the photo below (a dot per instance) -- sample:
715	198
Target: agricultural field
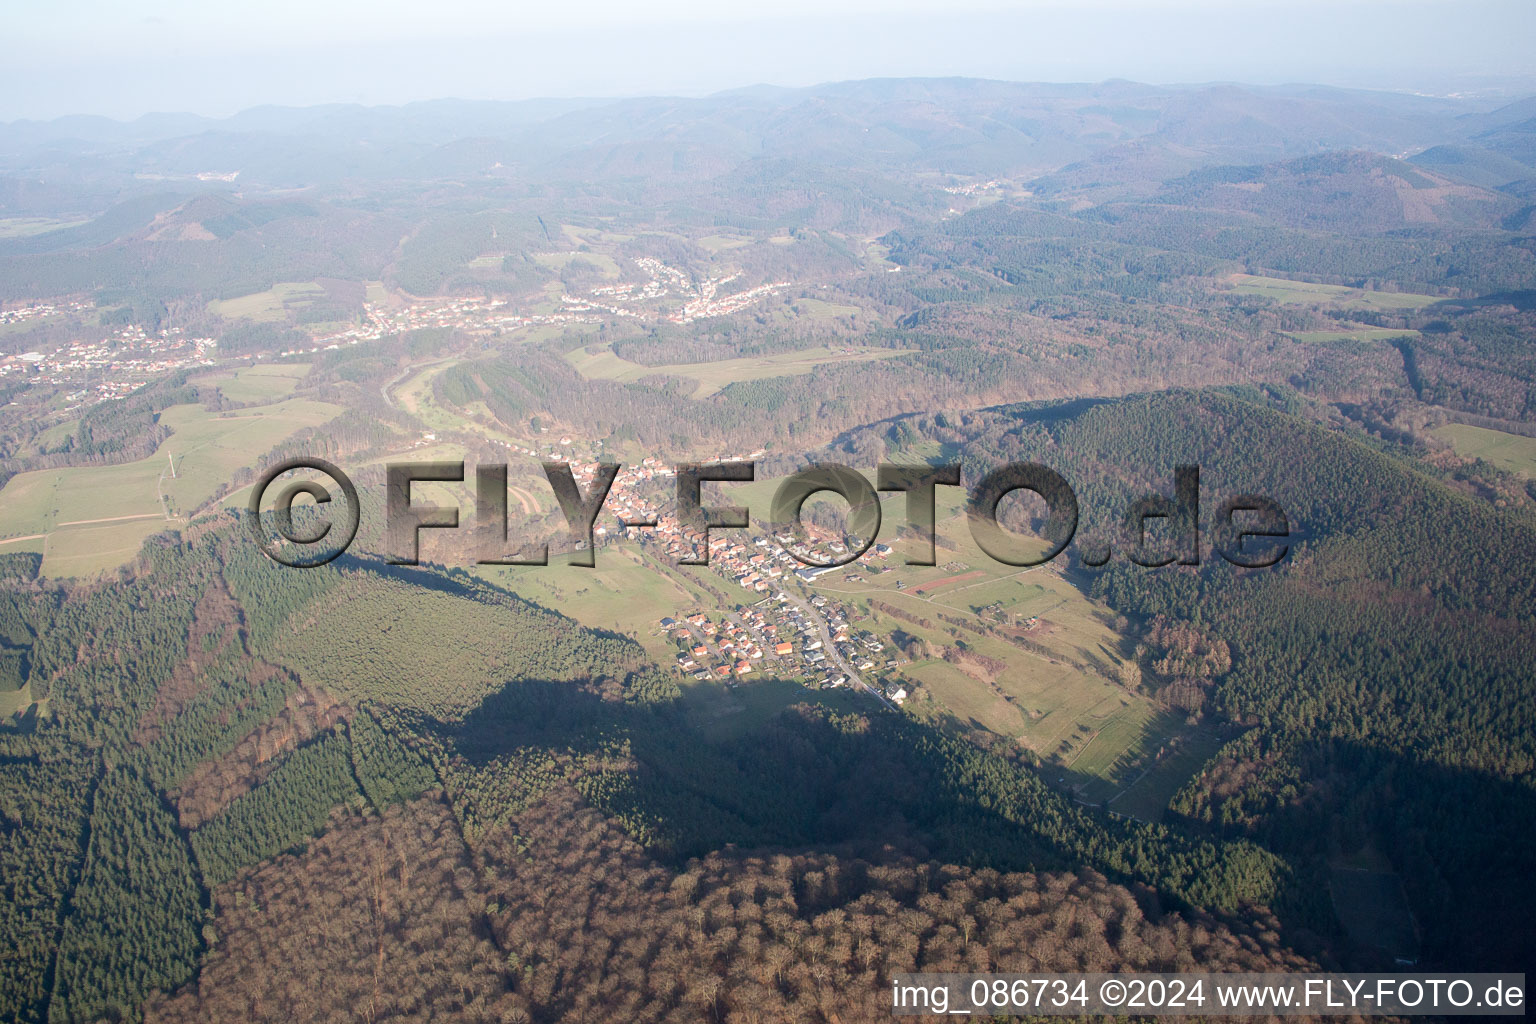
878	257
12	701
1357	333
1510	452
89	550
722	712
593	236
1060	694
1374	909
269	306
47	499
1338	296
263	382
558	261
1112	739
441	651
207	449
381	640
122	504
26	227
625	592
1061	697
818	309
415	396
722	243
54	437
1182	752
714	377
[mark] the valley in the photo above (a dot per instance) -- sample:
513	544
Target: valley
644	790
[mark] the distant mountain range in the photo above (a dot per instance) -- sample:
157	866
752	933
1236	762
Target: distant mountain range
1112	138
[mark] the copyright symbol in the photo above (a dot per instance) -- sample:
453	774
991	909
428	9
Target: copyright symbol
1112	992
280	519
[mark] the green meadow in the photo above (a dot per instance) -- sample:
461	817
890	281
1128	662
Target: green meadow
1061	697
95	517
268	306
264	382
1510	452
601	363
1302	293
1358	333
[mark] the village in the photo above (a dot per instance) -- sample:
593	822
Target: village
114	366
616	300
787	631
782	629
41	310
111	367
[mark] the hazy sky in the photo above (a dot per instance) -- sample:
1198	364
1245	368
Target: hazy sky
219	56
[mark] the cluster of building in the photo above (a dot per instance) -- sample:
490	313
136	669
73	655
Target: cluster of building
465	314
767	565
661	274
613	300
574	304
975	188
702	299
708	303
21	314
797	632
811	638
791	639
112	367
726	649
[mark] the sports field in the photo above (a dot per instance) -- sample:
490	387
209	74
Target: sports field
602	363
1510	452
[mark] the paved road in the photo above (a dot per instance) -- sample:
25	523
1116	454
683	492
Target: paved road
110	519
814	614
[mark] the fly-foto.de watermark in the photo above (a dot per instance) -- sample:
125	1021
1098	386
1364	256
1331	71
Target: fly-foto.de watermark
1247	530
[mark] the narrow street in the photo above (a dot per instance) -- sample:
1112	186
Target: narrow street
825	635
